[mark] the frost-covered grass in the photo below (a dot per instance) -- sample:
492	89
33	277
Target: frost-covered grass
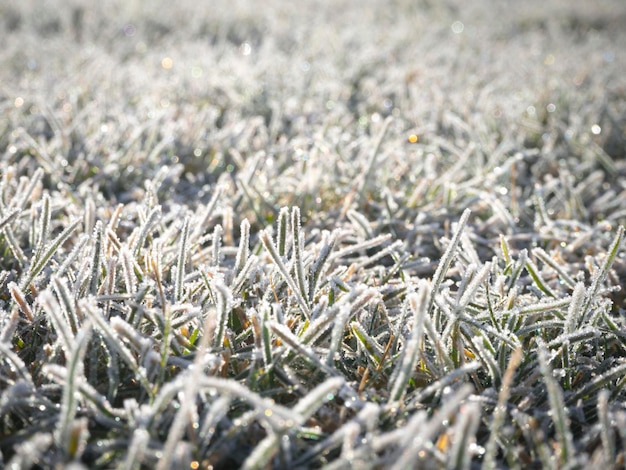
312	234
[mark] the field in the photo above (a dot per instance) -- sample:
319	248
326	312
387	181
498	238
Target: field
292	235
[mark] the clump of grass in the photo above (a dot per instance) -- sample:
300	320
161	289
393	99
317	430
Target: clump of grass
243	251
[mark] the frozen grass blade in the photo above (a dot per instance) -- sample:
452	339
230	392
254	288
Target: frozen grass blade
16	364
22	197
20	299
582	335
181	261
74	255
601	274
446	260
321	394
207	213
217	245
606	432
404	369
5	226
294	344
620	425
296	235
278	417
282	269
151	220
9	323
136	450
223	307
516	269
575	311
544	306
281	235
419	435
128	270
371	163
485	353
66	438
113	341
388	250
500	411
506	251
471	290
67	302
464	436
364	421
437	386
266	337
243	253
239	282
532	269
565	451
371	348
615	373
59	322
43	228
360	222
360	247
14	246
547	259
306	407
353	303
209	428
47	254
185	416
94	277
30	452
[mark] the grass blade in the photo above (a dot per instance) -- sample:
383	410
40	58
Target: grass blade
282	269
404	369
446	259
47	254
181	261
565	451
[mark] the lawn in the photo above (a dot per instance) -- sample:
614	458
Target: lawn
292	235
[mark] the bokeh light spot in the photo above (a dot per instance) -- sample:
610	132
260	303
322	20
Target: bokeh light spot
129	30
245	48
457	27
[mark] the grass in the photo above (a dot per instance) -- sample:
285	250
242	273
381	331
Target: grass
366	235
